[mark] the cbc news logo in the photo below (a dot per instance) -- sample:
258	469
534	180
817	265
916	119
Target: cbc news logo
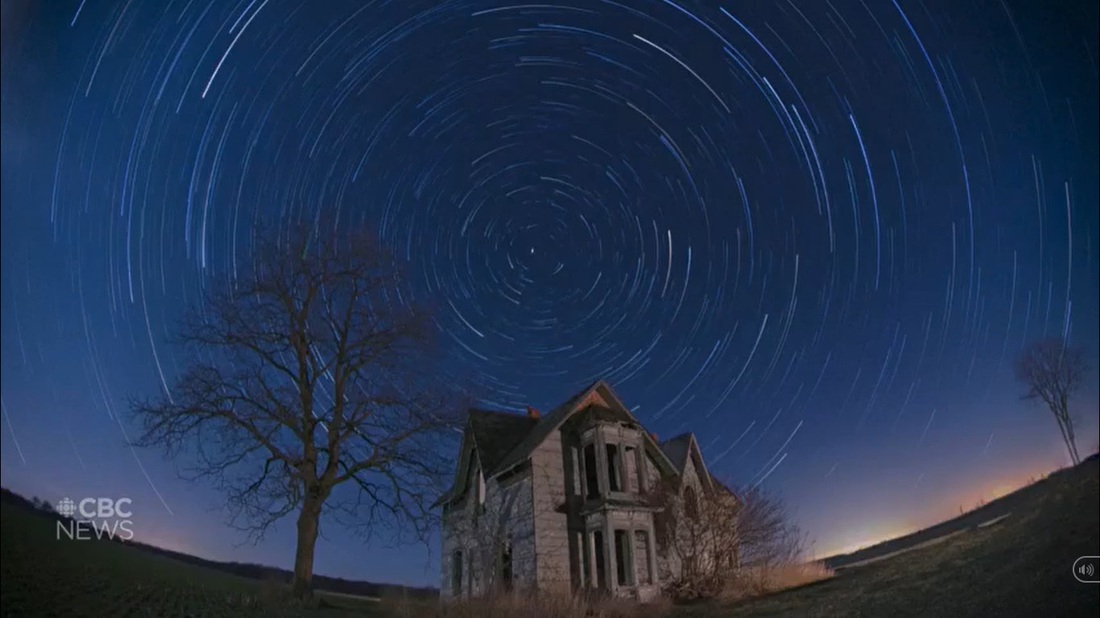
1084	569
91	519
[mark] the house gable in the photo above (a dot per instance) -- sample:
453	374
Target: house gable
593	398
684	449
598	394
488	436
696	456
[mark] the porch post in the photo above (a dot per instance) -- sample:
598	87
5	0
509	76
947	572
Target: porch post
610	558
651	556
590	556
601	463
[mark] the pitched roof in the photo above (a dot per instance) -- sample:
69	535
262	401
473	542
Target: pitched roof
720	486
504	440
491	434
683	447
548	423
497	433
677	449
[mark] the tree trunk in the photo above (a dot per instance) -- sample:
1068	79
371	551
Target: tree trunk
1067	423
302	586
1071	441
1067	435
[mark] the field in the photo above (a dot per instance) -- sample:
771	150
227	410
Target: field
46	577
1018	565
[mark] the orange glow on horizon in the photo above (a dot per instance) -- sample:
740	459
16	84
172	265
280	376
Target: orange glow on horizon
171	543
948	508
860	539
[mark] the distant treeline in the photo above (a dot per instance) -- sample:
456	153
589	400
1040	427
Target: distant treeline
253	571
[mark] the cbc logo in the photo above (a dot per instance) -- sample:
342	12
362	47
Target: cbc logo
96	508
1084	569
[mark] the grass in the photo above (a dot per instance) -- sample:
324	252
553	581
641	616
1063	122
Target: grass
46	577
754	583
1018	566
542	606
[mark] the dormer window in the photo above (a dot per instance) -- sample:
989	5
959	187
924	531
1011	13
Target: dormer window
632	483
614	468
480	488
591	472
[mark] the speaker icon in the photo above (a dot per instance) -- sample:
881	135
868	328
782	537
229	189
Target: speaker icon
1085	569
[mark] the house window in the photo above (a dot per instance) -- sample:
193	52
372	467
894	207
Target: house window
456	573
582	543
506	565
623	557
574	454
630	461
614	468
601	562
641	558
691	503
591	472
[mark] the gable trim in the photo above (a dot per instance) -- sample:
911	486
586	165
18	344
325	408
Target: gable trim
554	420
696	453
468	450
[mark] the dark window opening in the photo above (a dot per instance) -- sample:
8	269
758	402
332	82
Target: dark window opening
506	565
622	557
601	566
586	576
575	459
591	471
691	503
614	468
456	573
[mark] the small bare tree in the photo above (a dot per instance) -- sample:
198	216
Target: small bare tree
767	537
486	533
490	525
696	534
310	389
1053	372
719	538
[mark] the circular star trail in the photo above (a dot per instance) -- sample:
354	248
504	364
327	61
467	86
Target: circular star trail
800	229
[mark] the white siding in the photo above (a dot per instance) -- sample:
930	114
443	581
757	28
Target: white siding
653	474
550	520
482	533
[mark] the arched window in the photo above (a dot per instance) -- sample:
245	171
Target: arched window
691	503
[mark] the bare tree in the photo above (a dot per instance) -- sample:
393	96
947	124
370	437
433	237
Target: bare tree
696	534
1053	372
712	540
490	527
487	534
765	533
310	389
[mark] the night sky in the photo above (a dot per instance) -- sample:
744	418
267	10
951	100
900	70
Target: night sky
814	233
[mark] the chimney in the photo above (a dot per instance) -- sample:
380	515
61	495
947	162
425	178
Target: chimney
653	434
532	413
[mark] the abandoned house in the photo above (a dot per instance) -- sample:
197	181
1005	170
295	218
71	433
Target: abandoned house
557	501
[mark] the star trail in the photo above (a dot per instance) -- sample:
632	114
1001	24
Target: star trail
814	233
